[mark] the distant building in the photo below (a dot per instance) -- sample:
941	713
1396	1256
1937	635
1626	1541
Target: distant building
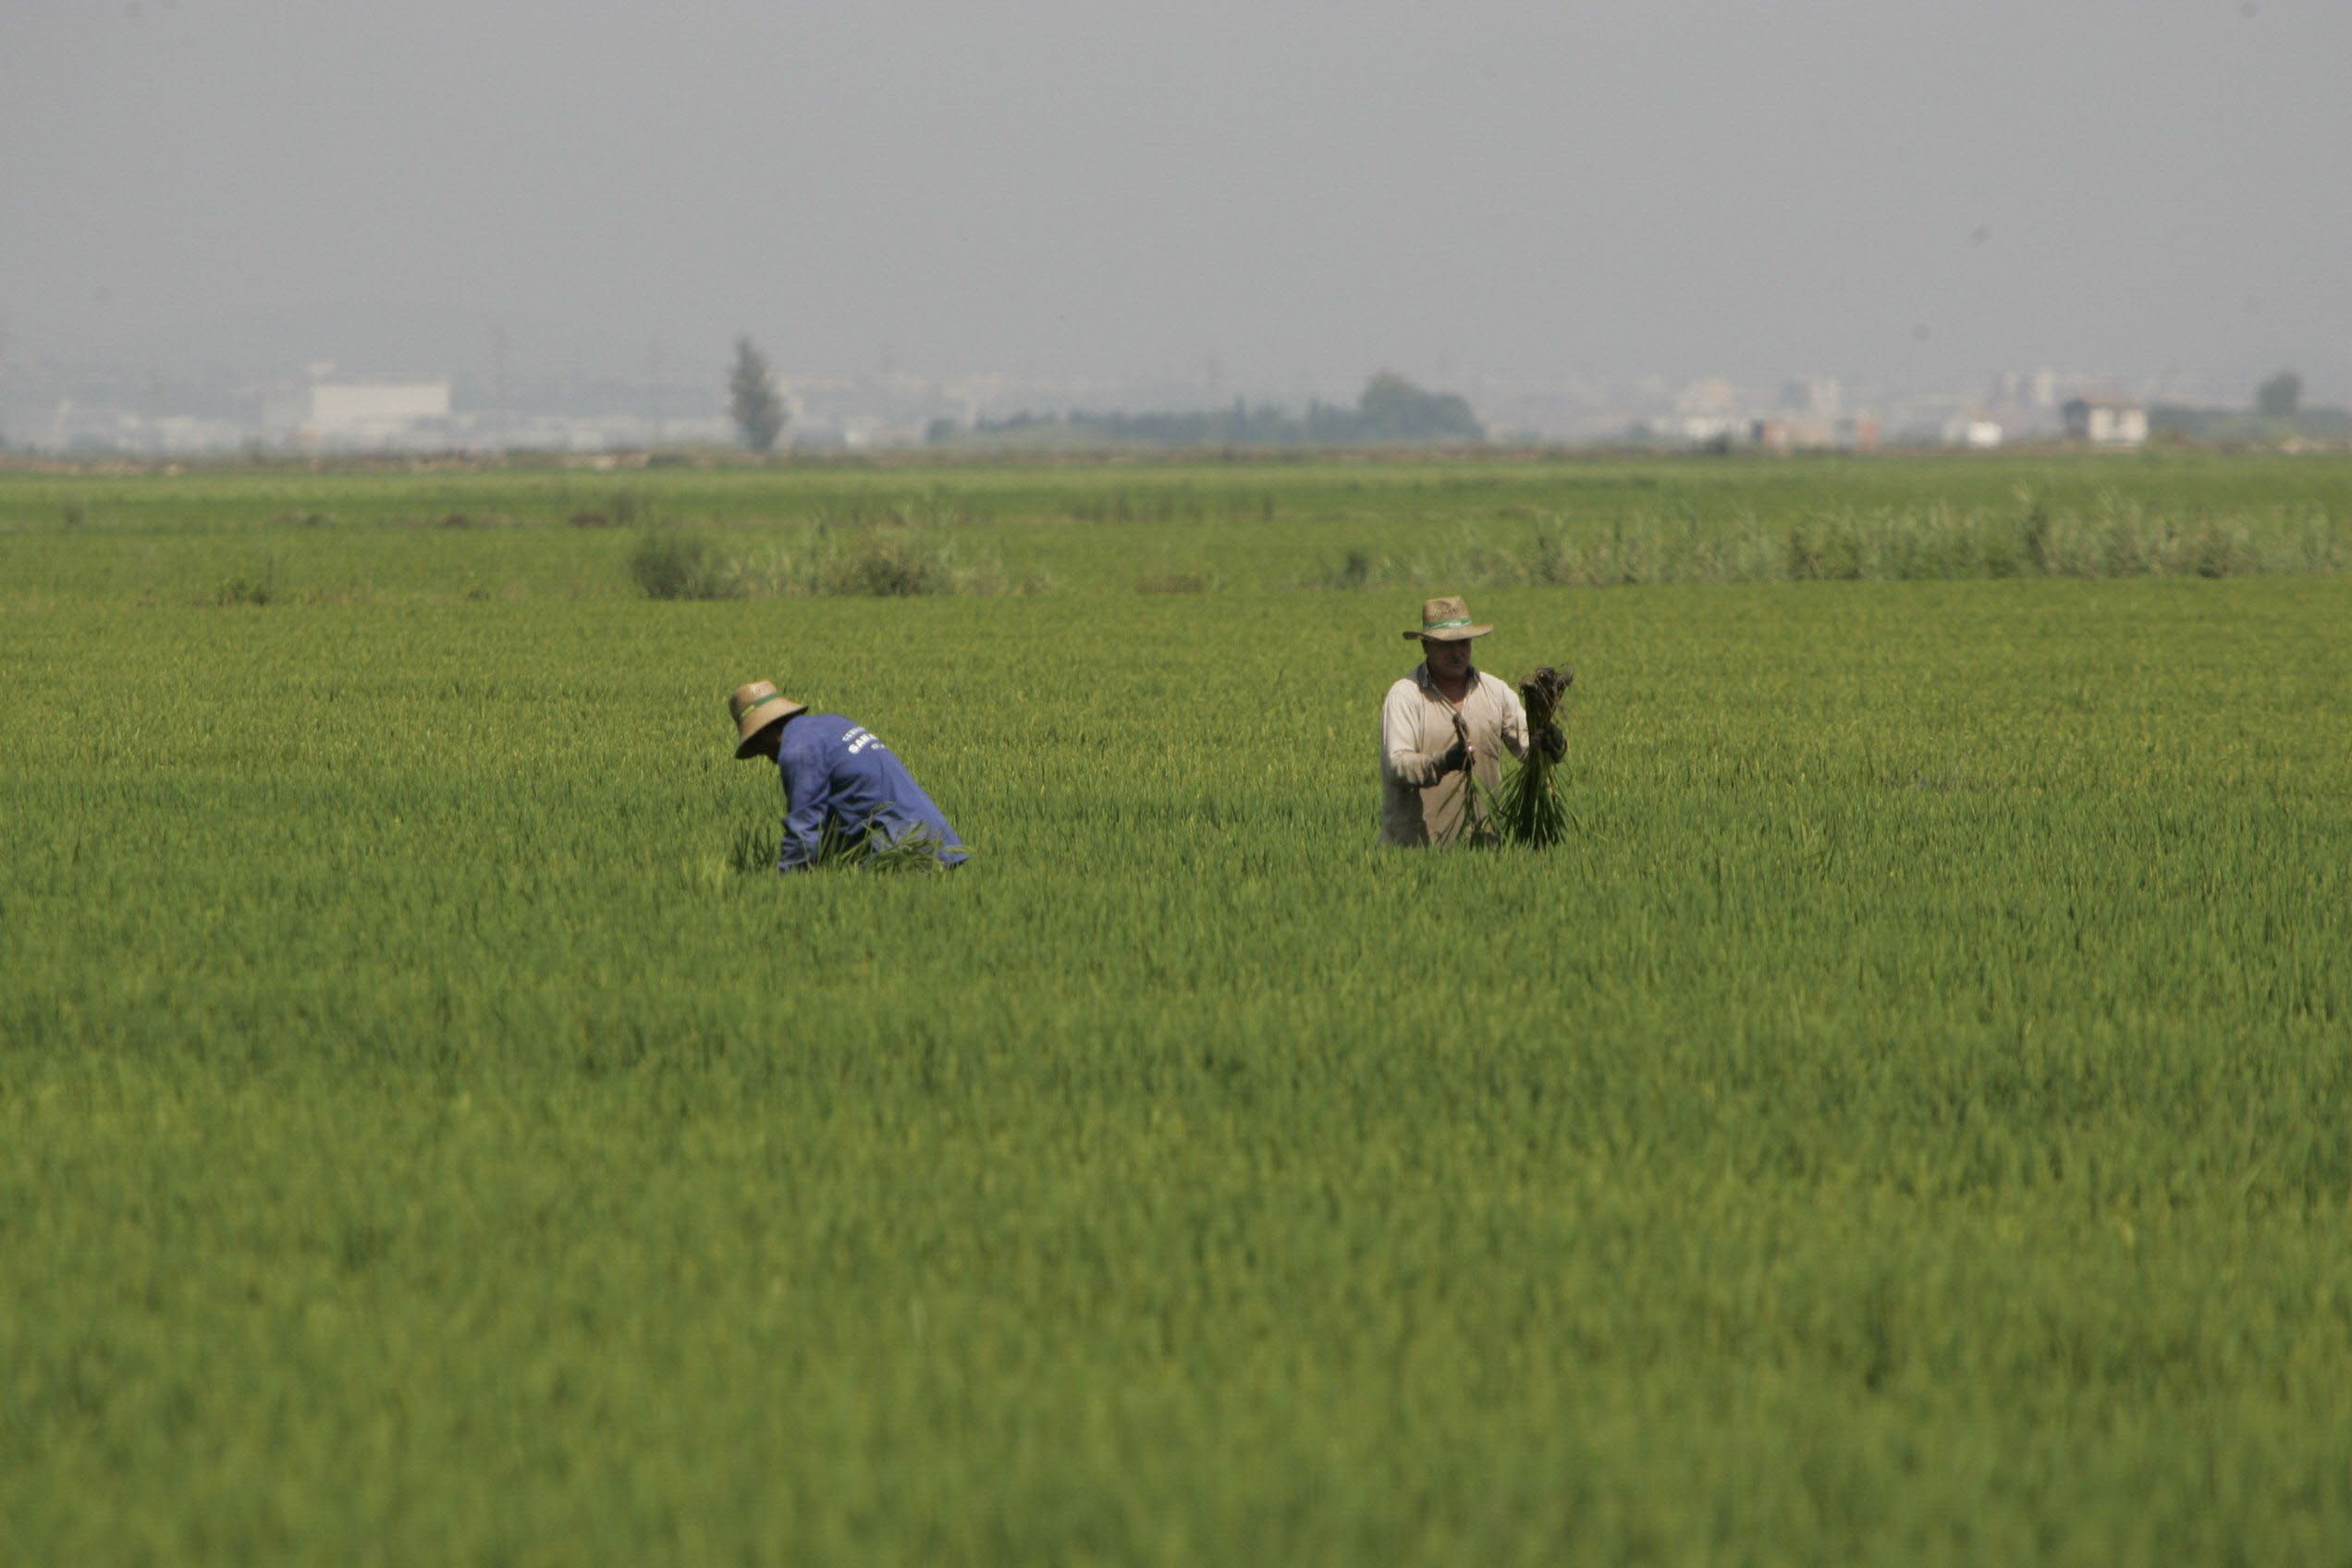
1854	434
2026	389
1711	397
1815	397
364	414
1978	428
2106	422
340	404
1700	429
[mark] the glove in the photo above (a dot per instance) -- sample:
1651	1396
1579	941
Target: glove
1457	757
1554	743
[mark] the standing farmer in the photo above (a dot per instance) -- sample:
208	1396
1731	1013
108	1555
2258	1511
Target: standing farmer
1443	727
840	782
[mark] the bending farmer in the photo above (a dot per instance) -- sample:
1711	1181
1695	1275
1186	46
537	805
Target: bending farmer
1443	730
841	785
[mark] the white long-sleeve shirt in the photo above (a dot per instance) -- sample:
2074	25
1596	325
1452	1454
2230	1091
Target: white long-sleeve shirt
1419	805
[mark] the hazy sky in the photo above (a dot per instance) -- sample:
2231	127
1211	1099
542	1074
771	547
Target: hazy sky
1919	193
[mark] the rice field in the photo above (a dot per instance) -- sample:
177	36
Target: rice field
1909	1119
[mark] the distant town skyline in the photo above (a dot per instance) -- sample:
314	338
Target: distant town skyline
60	410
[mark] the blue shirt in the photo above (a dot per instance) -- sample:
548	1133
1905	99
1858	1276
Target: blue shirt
841	776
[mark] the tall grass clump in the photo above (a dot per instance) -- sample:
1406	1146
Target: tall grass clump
256	585
882	562
671	563
825	561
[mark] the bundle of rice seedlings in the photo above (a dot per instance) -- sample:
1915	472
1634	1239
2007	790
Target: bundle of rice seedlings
1530	811
755	848
916	851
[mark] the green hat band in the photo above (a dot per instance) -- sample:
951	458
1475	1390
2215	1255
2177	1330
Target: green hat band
1441	625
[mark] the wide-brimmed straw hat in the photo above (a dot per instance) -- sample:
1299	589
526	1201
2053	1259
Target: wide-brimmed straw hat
755	706
1447	620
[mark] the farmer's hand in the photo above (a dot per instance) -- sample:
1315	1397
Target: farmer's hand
1458	756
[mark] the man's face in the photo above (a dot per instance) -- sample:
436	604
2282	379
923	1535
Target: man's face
1448	661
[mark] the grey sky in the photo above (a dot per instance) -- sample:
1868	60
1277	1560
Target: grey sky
1906	192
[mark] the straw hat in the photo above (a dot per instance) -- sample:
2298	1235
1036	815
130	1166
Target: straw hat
1447	620
755	706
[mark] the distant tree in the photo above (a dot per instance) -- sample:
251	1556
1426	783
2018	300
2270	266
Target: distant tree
1392	409
752	400
1328	423
2279	396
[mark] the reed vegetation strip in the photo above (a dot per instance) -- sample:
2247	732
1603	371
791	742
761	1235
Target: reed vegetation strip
1197	528
1931	543
1904	1122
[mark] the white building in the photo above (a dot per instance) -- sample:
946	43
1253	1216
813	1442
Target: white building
338	405
2106	422
363	415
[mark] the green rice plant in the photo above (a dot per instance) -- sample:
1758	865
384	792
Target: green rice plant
1912	1133
1357	568
258	585
934	506
754	849
1173	581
